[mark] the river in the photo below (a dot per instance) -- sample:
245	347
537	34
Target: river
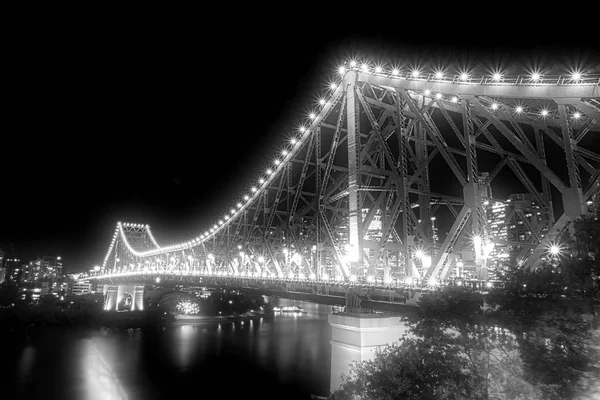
286	357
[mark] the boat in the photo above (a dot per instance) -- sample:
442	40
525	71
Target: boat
338	309
289	309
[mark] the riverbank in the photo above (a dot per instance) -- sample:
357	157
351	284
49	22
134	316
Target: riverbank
202	319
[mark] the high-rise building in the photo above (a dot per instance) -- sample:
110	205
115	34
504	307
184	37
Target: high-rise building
47	269
2	269
14	270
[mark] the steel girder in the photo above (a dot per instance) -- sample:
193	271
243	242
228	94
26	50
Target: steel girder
358	193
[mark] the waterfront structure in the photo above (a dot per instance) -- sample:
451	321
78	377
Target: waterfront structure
369	146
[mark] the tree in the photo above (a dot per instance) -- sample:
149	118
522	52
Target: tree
413	369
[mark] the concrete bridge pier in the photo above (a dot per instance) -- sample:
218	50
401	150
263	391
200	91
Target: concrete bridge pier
354	337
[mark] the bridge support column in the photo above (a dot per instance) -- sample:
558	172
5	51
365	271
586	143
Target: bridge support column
111	298
354	337
138	299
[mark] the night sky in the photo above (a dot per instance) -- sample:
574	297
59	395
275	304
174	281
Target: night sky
166	123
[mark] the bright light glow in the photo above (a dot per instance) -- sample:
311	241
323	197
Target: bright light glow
576	76
325	277
488	284
293	141
96	268
497	76
370	278
232	211
186	307
408	281
535	76
277	162
431	282
253	189
301	276
246	197
544	113
576	115
378	69
419	254
333	86
365	67
261	181
353	278
284	152
239	246
494	106
454	99
438	96
519	109
269	171
353	63
464	76
555	250
387	280
157	279
415	73
291	275
427	92
312	116
239	205
341	70
395	72
459	283
261	259
322	101
426	260
439	75
312	276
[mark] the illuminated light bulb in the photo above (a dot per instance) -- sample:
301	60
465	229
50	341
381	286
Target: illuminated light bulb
302	129
464	76
439	75
395	72
352	278
261	181
415	73
370	278
312	116
269	171
576	115
419	254
576	76
353	63
378	69
226	217
239	205
431	282
253	189
293	141
427	92
215	226
211	230
544	113
206	233
246	197
277	162
488	284
535	76
333	86
221	222
341	70
497	76
312	276
261	259
519	109
387	280
438	96
325	277
322	101
554	250
365	67
494	106
284	152
454	99
408	281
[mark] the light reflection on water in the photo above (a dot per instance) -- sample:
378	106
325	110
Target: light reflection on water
259	355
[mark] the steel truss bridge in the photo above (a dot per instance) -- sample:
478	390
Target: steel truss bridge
367	157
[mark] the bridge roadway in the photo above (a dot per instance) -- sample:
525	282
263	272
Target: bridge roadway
399	300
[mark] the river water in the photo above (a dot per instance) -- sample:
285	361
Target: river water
286	357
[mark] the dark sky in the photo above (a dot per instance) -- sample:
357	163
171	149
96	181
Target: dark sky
164	121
